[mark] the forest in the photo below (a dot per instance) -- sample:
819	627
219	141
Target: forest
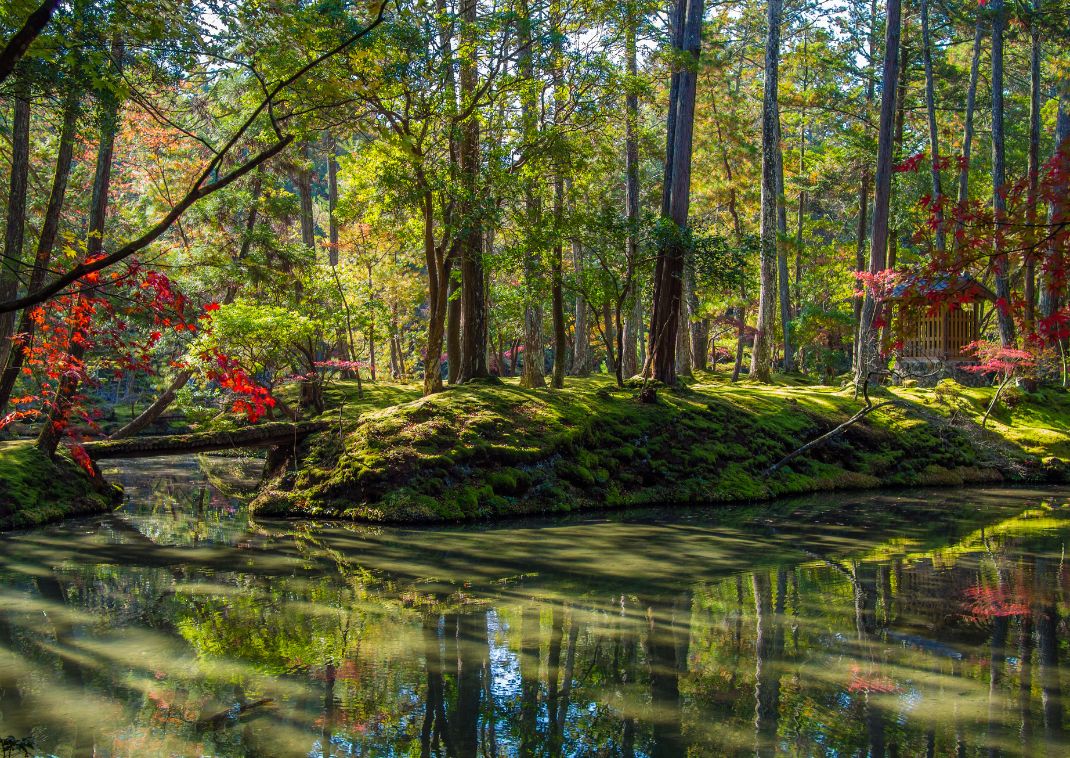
678	244
534	377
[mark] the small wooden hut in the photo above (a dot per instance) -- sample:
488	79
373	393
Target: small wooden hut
938	318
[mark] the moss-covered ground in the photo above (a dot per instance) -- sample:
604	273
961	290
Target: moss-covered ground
494	449
35	490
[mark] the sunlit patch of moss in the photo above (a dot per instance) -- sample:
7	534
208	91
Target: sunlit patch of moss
35	490
495	449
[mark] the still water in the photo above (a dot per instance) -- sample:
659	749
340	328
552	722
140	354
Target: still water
906	624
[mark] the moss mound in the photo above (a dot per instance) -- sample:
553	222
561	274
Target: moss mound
482	450
35	490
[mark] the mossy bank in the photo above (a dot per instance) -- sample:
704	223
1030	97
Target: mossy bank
35	490
494	449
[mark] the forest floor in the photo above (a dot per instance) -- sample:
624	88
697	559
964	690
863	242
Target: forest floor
35	490
494	449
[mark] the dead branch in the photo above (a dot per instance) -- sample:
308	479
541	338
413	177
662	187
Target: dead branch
869	407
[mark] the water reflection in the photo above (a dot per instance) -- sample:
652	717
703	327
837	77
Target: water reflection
923	624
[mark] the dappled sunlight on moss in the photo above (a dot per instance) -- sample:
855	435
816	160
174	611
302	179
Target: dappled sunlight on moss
482	450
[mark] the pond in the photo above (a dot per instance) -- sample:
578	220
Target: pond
896	624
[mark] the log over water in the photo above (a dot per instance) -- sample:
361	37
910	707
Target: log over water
262	435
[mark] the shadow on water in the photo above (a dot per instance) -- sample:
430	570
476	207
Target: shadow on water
919	623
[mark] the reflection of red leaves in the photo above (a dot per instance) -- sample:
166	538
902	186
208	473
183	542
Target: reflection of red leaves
870	681
983	603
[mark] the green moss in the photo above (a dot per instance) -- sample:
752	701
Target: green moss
493	449
35	490
508	481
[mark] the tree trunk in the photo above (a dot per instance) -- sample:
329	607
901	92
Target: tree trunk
683	338
45	244
934	136
869	355
999	180
15	230
438	275
863	189
332	200
557	294
700	327
308	226
802	190
1050	297
611	339
532	376
677	22
473	280
967	132
668	283
761	366
783	280
581	349
1032	198
629	361
453	330
885	310
557	290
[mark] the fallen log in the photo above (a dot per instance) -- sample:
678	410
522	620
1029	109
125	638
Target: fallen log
260	435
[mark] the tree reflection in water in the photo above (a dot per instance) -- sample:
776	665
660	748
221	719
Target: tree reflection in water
182	628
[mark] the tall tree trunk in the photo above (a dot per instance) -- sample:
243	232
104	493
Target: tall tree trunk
683	332
532	376
1051	298
700	327
783	280
15	230
1000	263
934	136
473	280
332	200
612	359
453	306
869	354
895	232
967	132
863	188
453	330
632	323
557	294
557	289
438	275
55	423
581	349
1033	196
45	244
761	366
677	22
668	285
802	189
305	216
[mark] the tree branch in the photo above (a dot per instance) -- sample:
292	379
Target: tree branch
199	189
24	37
